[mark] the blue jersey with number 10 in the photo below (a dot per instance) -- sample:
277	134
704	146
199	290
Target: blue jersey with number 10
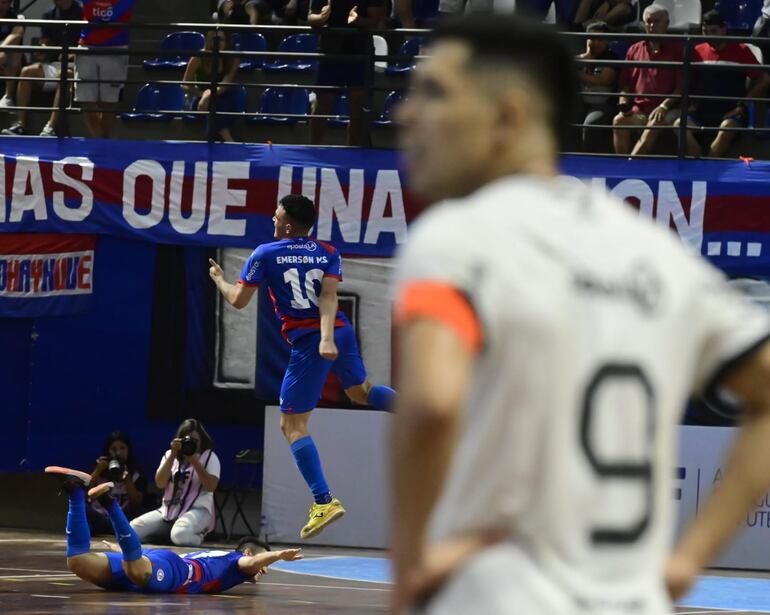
292	270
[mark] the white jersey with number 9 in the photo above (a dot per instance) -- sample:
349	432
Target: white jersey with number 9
596	328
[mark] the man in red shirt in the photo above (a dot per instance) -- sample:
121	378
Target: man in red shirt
729	112
636	106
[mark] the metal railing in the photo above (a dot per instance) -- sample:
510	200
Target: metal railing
218	56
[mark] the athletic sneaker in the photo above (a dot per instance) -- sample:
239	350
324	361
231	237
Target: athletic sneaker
6	101
320	516
17	128
102	493
48	131
70	479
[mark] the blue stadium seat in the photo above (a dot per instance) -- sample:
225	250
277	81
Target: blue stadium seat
341	110
425	10
409	48
294	43
727	9
281	100
388	106
620	48
239	96
744	16
250	41
182	41
155	97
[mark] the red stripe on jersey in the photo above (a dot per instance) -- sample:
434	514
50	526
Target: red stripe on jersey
329	247
333	275
442	303
245	283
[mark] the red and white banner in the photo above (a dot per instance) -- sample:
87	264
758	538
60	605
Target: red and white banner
45	275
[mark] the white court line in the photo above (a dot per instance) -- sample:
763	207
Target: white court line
50	596
336	578
296	585
712	609
48	540
63	575
36	570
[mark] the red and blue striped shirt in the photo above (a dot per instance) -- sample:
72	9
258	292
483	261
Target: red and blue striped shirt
106	11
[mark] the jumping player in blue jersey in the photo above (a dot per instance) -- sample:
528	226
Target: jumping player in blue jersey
128	567
302	274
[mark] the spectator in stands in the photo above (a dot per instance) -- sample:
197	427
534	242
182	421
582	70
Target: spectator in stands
355	17
189	475
200	68
10	61
117	465
47	65
762	29
288	12
729	112
101	77
453	7
597	79
612	12
564	9
636	107
228	10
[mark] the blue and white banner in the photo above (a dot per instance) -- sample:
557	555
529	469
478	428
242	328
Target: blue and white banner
45	275
224	195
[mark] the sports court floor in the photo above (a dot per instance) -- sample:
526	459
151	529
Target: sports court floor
34	579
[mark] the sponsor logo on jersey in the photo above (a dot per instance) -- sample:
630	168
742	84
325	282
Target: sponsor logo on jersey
104	13
308	245
641	285
253	270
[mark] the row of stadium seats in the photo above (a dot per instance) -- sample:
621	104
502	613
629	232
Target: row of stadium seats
155	98
739	15
187	42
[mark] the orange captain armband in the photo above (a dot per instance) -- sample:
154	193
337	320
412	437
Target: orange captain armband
440	302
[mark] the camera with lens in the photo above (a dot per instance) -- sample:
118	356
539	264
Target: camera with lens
189	446
115	469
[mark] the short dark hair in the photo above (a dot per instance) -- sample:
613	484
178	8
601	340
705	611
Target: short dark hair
713	18
251	542
300	210
121	436
528	46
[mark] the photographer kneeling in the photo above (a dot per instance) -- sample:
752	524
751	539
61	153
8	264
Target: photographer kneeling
188	474
117	465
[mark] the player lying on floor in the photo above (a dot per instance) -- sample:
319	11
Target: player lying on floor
151	570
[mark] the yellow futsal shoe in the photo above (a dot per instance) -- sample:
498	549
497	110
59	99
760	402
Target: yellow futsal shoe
322	515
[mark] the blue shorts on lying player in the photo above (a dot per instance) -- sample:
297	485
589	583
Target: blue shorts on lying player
202	572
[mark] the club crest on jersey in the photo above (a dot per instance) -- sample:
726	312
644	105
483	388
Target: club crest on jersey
160	575
308	245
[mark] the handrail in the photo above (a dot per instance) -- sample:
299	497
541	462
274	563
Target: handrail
688	42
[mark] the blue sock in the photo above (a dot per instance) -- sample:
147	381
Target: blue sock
381	397
128	539
78	533
309	464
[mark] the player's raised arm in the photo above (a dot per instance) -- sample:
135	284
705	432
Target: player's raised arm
745	479
237	295
327	306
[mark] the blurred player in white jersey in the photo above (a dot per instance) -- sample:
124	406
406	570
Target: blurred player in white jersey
548	339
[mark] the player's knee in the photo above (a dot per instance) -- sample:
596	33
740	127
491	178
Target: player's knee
294	426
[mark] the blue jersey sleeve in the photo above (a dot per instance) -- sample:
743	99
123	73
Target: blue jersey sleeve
334	268
253	272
